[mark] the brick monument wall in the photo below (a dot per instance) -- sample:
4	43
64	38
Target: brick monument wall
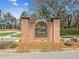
28	30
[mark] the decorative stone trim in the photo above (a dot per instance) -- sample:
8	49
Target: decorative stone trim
51	19
24	17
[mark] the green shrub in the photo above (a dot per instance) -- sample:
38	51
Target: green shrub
69	32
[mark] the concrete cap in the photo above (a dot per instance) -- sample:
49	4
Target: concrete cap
24	17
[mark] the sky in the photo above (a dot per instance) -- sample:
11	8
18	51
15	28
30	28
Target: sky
15	7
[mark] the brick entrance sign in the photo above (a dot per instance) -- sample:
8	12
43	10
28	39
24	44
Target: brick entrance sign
40	30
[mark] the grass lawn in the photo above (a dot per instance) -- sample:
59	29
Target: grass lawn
70	32
17	35
6	33
10	34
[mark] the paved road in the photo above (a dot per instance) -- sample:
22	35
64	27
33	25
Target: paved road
37	55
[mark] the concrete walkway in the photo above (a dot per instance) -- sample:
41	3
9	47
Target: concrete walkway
71	54
38	55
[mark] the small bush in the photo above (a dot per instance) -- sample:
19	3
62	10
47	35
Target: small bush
12	45
2	47
68	43
75	44
22	49
8	45
74	39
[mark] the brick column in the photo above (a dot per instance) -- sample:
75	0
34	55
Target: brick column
50	31
56	29
24	29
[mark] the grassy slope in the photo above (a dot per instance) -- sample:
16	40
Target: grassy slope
5	34
11	34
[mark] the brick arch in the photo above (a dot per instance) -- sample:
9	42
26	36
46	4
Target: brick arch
43	29
40	21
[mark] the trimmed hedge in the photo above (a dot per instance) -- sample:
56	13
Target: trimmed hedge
69	32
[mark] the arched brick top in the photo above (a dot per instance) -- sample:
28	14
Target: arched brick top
37	21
